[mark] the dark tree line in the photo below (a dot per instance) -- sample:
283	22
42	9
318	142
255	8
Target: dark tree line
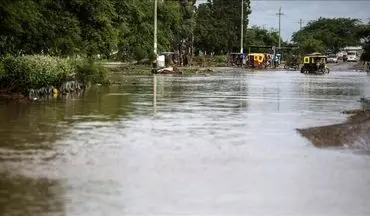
332	34
123	29
92	27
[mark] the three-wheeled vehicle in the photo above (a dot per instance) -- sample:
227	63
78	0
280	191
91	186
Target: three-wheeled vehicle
235	59
257	60
315	63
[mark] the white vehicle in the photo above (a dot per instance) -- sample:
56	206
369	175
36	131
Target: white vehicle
352	56
332	58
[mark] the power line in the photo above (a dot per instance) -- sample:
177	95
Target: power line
279	14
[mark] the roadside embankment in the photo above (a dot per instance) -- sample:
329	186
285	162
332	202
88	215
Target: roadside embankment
33	76
353	133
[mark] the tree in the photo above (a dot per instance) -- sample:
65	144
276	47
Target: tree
57	27
261	37
18	27
334	33
61	32
312	45
218	25
134	22
364	34
205	33
96	23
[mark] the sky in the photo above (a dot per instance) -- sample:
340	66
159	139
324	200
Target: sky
264	12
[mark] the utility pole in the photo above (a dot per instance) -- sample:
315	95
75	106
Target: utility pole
279	14
300	24
242	28
155	27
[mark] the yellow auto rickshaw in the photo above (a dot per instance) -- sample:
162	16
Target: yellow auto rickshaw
315	63
256	60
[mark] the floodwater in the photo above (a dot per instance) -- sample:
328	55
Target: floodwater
218	144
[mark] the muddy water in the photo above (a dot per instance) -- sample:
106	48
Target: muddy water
223	144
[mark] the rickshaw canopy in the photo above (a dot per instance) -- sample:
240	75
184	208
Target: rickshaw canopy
308	59
259	57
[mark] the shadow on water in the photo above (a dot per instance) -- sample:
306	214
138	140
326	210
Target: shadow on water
38	124
22	195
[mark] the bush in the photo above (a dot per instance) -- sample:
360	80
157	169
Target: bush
90	72
217	61
22	73
220	59
25	72
139	54
199	60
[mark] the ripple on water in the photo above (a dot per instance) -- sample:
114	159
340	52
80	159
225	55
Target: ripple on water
216	145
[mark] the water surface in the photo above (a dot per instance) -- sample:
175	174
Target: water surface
222	144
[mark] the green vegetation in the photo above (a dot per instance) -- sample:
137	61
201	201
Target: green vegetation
262	37
328	35
218	25
365	36
96	28
2	72
88	72
123	30
36	71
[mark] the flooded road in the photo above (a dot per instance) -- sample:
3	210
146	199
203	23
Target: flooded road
223	144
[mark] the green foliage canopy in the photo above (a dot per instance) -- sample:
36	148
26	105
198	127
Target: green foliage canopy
218	24
328	34
364	34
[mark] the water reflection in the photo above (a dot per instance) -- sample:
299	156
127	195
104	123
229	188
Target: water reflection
154	93
186	93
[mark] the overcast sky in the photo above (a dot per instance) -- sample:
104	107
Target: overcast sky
264	12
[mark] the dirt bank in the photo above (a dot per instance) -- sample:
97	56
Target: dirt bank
354	133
